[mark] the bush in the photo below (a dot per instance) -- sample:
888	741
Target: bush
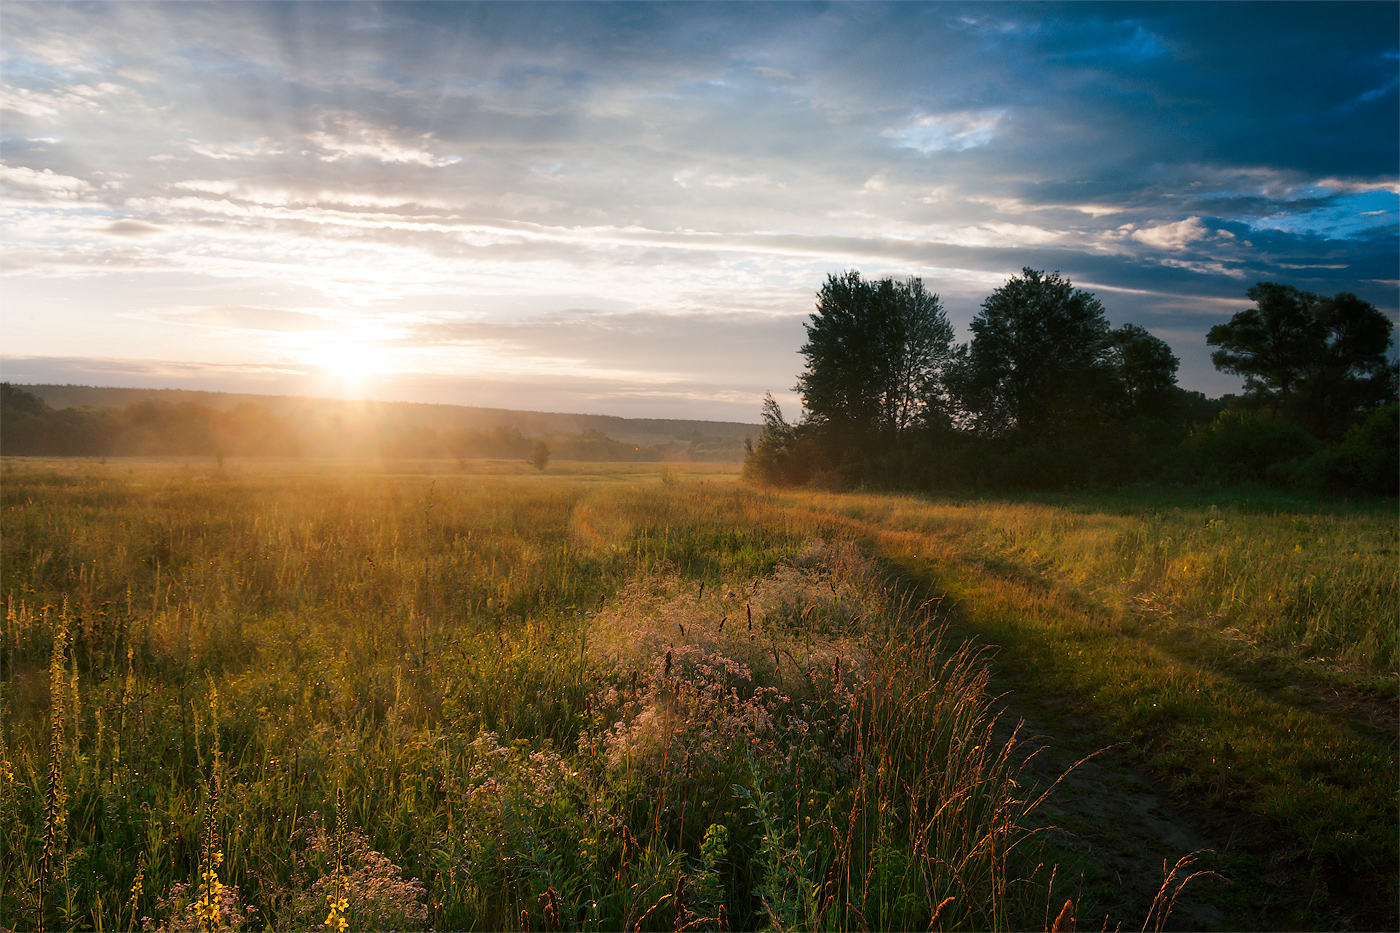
784	455
1239	447
1367	460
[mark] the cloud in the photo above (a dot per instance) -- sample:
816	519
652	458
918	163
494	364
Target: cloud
1176	236
949	131
353	138
61	263
50	104
668	346
252	318
624	174
131	228
229	152
513	203
134	373
62	187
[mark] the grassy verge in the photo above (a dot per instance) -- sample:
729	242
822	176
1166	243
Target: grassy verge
1054	587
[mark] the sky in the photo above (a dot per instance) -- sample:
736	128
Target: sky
628	209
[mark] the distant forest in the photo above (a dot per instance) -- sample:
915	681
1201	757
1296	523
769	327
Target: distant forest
1048	395
29	426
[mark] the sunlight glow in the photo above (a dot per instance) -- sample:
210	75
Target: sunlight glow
347	360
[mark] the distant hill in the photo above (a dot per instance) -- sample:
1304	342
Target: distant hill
653	432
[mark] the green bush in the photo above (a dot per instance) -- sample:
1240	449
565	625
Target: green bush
1367	460
1240	447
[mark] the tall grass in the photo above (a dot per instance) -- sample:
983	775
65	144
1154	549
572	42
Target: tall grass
352	701
1286	740
1308	584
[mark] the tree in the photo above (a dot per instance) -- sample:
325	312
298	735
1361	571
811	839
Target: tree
1038	364
1318	362
781	457
1144	368
539	457
875	352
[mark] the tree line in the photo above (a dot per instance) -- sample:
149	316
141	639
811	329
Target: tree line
1047	394
29	426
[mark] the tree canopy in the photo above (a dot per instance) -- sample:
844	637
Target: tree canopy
875	351
1038	362
1318	362
1144	369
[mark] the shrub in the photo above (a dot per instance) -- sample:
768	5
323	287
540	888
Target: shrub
1239	447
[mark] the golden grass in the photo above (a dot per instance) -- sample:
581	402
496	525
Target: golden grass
1310	585
518	699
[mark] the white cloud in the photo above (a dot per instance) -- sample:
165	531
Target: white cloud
1208	267
63	187
956	132
355	139
515	203
131	228
237	317
228	152
1006	205
50	104
1175	236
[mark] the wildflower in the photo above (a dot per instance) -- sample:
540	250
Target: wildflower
133	903
335	920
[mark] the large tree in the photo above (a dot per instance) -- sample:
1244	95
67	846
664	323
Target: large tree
875	351
1318	362
1144	369
1038	365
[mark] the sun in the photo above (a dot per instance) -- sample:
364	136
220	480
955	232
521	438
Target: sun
347	361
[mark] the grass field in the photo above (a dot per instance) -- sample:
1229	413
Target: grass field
433	695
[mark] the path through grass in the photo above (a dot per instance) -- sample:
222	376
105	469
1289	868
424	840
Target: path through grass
1204	688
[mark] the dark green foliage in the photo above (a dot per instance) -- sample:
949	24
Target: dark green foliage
411	442
782	456
28	426
1366	461
875	352
501	443
158	428
1047	396
1038	365
1318	362
1145	372
253	430
1240	447
873	389
1054	398
21	404
597	446
1370	453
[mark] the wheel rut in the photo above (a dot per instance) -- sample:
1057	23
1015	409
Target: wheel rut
1116	831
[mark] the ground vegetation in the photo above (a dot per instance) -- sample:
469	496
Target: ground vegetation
306	695
268	700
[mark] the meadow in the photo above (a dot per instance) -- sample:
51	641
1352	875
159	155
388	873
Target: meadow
310	695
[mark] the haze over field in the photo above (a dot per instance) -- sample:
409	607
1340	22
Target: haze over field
627	208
